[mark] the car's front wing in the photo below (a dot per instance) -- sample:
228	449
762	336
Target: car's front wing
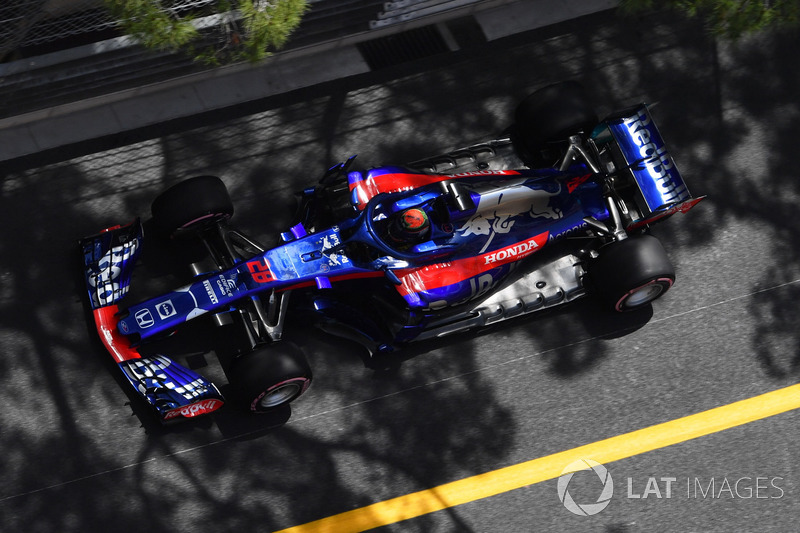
172	391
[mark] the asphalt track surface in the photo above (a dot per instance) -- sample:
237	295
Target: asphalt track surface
77	456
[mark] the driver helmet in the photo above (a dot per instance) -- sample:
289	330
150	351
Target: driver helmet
409	225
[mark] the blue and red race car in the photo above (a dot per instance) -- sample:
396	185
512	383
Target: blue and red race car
557	209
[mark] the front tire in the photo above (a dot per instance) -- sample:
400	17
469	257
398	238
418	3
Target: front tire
271	377
631	273
192	204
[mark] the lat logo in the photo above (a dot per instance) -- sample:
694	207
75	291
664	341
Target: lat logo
585	509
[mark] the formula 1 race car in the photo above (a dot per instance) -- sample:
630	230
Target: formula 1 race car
555	209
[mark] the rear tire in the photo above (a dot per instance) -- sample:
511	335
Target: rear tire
545	120
631	273
192	204
271	377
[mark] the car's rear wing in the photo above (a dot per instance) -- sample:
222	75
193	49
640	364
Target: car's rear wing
172	391
639	152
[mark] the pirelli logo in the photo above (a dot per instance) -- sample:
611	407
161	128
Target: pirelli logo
210	291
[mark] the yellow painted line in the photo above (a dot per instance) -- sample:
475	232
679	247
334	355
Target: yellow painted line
552	466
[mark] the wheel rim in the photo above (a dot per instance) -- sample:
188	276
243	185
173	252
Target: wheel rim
644	294
281	394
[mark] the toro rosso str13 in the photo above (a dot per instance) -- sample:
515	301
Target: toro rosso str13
556	209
